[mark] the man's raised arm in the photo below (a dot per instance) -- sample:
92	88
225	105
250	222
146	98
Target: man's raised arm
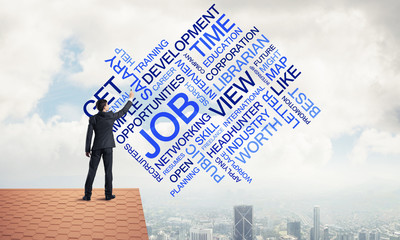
125	109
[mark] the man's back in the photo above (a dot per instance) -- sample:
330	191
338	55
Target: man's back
102	125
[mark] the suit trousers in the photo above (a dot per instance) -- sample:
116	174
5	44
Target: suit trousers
107	154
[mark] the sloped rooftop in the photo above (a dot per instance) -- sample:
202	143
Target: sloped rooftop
61	214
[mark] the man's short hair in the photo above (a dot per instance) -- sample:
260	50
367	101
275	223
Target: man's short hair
100	104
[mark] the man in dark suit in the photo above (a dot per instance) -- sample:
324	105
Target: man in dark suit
102	124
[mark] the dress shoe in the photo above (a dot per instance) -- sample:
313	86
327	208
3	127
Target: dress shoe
86	198
109	197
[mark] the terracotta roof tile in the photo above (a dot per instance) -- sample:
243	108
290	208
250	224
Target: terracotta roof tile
61	214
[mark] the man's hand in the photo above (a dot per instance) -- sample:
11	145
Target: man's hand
131	95
88	154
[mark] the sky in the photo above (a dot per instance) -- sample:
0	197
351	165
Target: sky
52	62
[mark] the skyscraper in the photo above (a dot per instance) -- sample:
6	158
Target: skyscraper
326	233
243	222
316	223
312	233
197	233
374	235
362	235
293	228
344	235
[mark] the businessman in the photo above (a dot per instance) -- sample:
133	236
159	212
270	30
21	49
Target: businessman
102	124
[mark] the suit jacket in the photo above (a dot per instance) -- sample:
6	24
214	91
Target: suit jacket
102	125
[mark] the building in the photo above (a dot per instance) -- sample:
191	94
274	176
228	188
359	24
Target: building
362	235
316	235
293	229
374	235
326	233
243	222
197	233
344	235
287	237
312	233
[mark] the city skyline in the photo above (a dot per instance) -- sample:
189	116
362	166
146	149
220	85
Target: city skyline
274	225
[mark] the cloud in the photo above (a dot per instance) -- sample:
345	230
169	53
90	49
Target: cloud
45	39
70	55
68	112
30	46
34	148
373	141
